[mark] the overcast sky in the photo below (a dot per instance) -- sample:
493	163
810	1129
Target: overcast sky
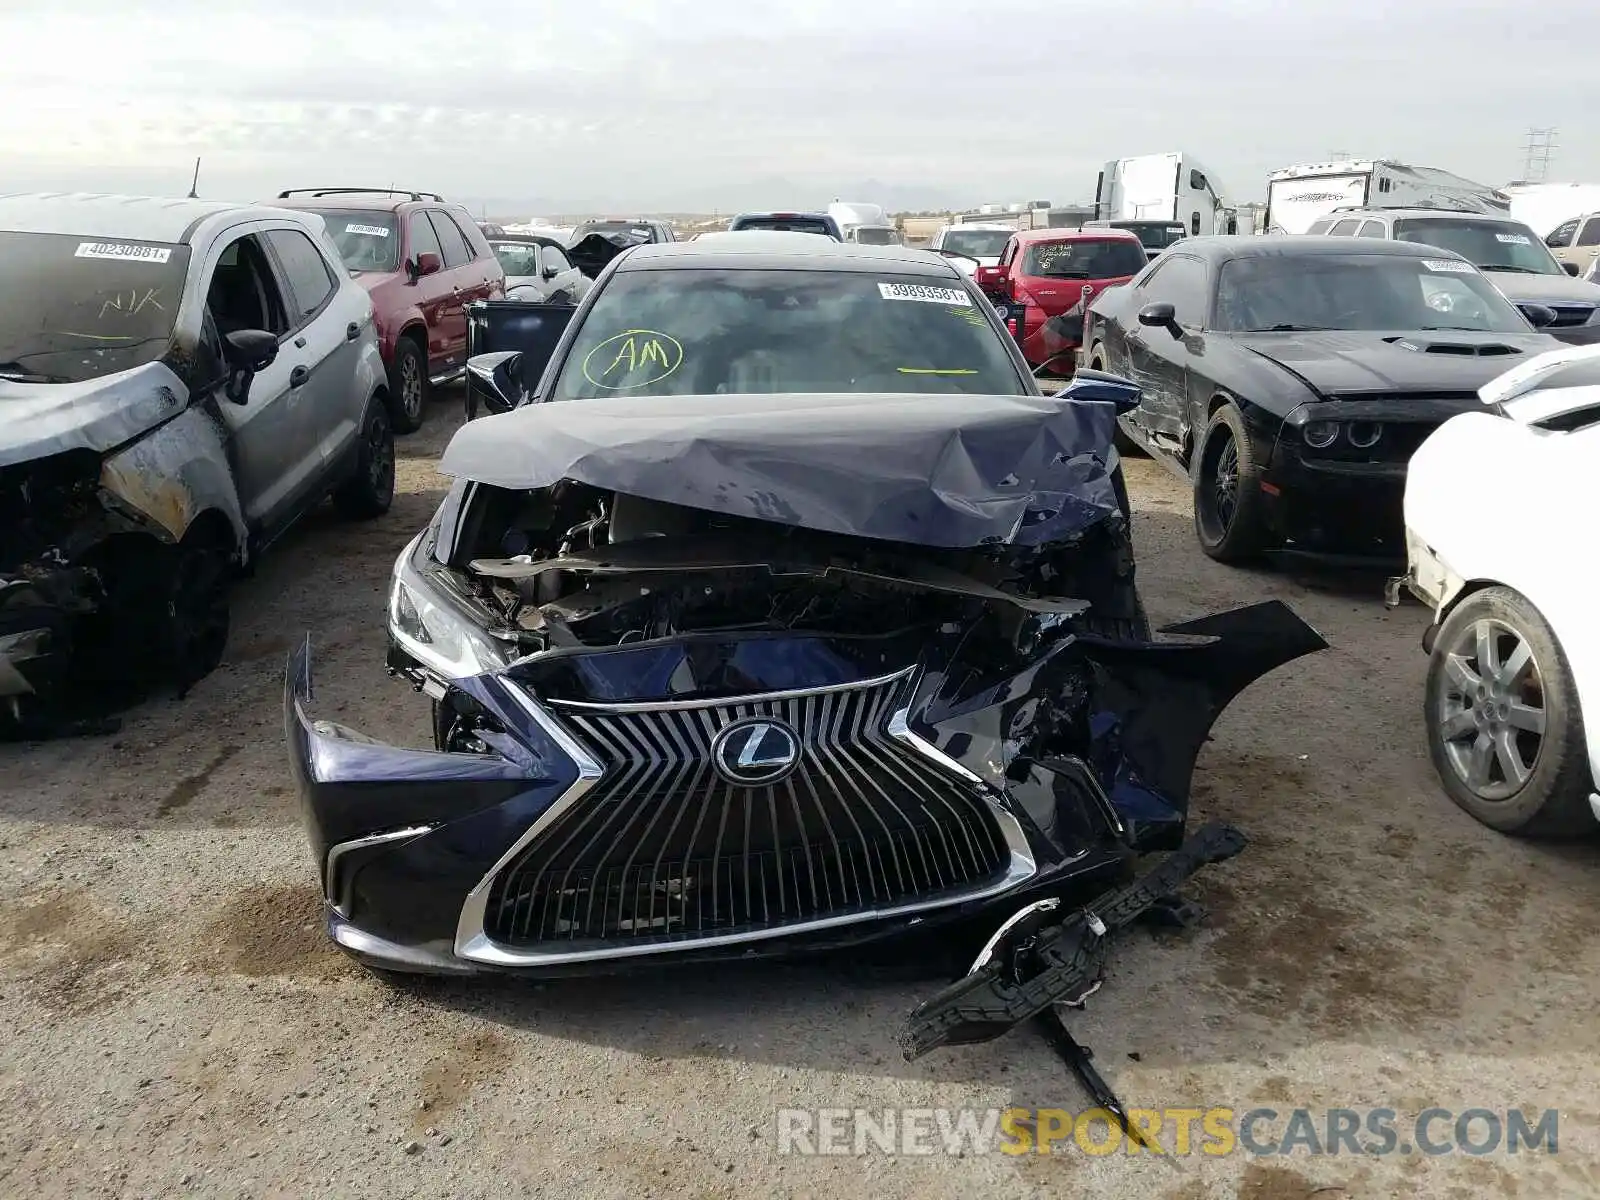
721	104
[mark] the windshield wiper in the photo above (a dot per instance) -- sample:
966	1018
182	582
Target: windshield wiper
1518	270
1064	275
15	372
1289	327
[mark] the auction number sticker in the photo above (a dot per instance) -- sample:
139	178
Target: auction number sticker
1513	239
369	230
1449	266
123	252
929	295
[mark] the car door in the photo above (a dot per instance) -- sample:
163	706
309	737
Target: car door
1560	239
1160	356
327	331
563	280
465	283
273	441
435	296
1586	246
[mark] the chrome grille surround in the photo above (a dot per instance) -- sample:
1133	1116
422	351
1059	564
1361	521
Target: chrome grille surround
875	823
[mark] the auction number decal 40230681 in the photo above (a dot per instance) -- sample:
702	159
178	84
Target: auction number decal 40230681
123	252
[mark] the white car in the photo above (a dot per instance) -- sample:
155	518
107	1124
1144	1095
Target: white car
972	245
1593	273
1514	650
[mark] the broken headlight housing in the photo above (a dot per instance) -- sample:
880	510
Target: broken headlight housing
432	627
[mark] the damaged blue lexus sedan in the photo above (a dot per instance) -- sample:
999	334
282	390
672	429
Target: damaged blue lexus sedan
778	612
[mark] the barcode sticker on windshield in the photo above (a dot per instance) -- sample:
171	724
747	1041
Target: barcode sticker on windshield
123	251
1449	266
918	291
369	230
1513	239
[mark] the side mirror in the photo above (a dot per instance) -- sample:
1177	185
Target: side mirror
989	278
1538	315
428	263
1572	268
498	377
1102	387
1159	315
247	351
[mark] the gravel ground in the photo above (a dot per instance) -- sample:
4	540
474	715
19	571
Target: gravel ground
174	1021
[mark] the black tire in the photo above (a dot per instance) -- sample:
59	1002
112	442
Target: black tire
1126	446
195	617
408	386
369	490
1553	799
1227	490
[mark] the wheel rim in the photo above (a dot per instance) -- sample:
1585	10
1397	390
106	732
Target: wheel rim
380	458
1490	714
411	385
1217	497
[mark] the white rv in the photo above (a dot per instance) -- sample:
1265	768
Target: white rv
1173	188
1297	196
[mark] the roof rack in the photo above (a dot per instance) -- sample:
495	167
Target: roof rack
359	191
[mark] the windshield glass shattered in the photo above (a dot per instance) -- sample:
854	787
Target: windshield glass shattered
701	332
73	309
1490	245
1085	258
367	241
1282	293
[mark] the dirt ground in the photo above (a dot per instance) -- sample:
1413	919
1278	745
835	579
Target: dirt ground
174	1021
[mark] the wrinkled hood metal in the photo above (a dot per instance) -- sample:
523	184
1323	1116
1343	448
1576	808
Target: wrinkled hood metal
1341	362
40	419
932	470
592	254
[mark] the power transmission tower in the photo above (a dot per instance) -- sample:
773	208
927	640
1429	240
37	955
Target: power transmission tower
1537	151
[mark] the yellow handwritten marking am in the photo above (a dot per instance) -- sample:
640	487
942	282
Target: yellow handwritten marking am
634	358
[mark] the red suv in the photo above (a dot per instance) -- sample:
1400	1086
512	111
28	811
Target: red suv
1054	274
422	261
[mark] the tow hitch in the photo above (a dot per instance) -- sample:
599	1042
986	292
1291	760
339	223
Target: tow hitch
1035	964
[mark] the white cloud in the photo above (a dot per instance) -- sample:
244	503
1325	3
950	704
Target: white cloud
606	103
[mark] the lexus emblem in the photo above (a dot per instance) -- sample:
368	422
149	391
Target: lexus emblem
755	752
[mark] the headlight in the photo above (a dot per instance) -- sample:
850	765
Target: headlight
433	629
1321	434
1363	435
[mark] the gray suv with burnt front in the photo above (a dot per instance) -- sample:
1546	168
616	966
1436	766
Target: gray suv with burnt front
179	381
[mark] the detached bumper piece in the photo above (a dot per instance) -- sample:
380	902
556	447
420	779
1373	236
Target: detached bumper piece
1033	966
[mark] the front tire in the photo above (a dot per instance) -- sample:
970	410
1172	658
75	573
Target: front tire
1227	490
195	620
1504	728
370	489
408	386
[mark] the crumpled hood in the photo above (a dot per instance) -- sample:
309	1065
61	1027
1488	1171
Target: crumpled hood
39	419
1520	288
591	254
932	470
1338	362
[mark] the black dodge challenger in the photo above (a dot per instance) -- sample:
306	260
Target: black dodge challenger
779	612
1290	379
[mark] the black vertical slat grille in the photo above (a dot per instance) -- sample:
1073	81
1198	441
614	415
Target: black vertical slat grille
662	847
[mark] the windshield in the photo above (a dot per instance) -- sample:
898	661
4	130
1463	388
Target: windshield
72	309
1084	258
1359	291
977	243
1491	245
786	224
698	332
634	229
367	241
1154	235
873	235
517	258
